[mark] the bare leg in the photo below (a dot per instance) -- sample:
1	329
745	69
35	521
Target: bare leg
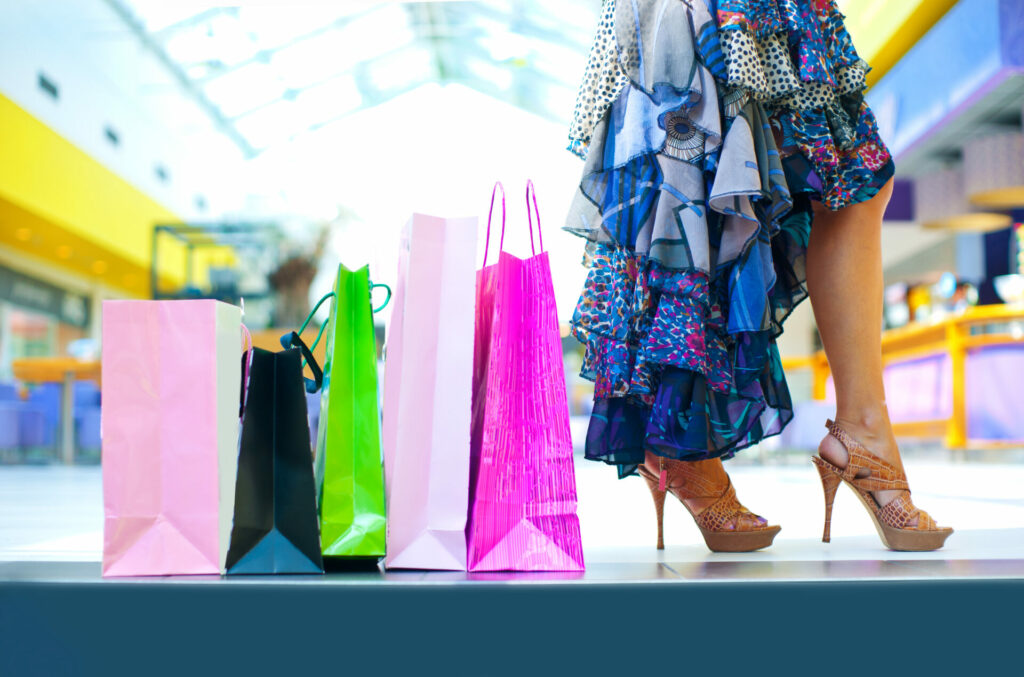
844	278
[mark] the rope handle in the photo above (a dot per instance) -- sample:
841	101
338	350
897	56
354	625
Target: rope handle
531	210
286	339
386	301
504	219
293	339
531	192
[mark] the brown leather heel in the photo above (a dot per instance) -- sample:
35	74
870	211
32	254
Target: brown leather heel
725	524
659	510
865	473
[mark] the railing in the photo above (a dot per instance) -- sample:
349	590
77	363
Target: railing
950	336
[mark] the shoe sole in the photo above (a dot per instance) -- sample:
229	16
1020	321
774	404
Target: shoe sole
904	540
739	541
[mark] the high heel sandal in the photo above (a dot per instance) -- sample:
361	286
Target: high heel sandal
725	524
865	473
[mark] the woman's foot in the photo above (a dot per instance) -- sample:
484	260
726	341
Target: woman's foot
706	491
900	524
873	430
700	484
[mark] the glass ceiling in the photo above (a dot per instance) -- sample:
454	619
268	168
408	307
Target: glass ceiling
269	73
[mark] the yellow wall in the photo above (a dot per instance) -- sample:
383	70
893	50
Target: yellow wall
58	203
884	30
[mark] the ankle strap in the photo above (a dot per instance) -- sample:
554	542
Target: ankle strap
881	475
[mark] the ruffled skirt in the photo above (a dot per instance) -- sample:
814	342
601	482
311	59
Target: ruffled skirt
705	142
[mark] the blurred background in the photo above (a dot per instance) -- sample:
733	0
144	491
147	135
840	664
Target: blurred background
154	149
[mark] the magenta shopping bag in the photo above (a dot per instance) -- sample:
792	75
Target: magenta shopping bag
523	487
428	378
171	385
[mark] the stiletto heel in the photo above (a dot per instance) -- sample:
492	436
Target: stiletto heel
899	523
829	484
659	509
725	524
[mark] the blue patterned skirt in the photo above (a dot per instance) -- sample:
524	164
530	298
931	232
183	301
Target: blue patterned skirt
707	133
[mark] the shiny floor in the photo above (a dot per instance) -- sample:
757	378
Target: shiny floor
51	528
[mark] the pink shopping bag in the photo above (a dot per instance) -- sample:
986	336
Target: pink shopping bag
428	395
171	383
523	488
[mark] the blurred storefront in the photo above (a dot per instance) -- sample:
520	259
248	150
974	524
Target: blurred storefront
38	319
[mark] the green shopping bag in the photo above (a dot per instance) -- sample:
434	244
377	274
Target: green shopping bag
349	475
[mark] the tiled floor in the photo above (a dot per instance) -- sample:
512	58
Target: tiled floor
54	514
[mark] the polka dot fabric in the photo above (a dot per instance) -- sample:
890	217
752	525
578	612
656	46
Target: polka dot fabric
603	80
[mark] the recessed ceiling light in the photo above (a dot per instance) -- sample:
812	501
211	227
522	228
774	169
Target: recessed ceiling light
64	252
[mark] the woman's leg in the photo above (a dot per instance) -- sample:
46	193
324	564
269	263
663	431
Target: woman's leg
844	278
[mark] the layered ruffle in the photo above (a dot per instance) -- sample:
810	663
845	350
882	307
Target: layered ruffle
684	363
797	58
603	80
706	138
696	251
812	32
793	56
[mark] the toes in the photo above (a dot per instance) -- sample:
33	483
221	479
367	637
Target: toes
749	521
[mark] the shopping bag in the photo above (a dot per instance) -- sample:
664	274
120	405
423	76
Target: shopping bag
523	488
349	474
275	528
171	373
428	395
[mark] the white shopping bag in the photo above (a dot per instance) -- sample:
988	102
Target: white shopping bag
428	376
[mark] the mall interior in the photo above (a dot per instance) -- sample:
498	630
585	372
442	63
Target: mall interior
166	151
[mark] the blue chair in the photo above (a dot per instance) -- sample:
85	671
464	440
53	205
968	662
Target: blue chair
46	396
32	428
9	450
87	421
87	434
9	393
86	394
32	435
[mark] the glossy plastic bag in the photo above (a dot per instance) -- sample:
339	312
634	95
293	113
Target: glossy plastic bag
523	488
349	475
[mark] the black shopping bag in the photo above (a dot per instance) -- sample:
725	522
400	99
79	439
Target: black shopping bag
275	527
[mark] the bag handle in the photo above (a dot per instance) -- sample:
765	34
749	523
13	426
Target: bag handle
293	340
286	339
490	214
247	336
246	361
386	301
531	192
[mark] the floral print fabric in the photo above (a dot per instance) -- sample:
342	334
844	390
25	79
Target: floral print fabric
696	205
